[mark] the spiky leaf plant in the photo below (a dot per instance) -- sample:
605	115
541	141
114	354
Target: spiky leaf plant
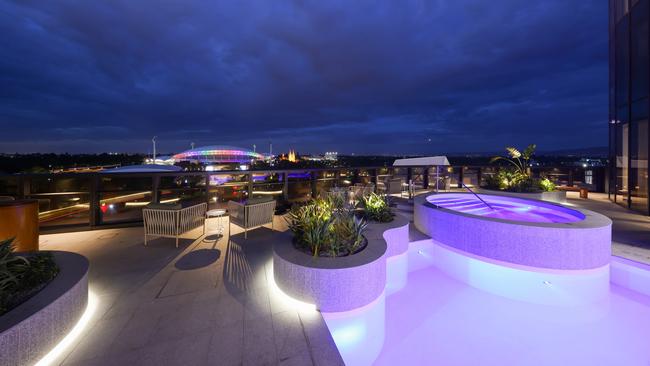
12	266
376	207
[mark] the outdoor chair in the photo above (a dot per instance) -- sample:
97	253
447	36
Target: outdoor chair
254	213
172	221
394	186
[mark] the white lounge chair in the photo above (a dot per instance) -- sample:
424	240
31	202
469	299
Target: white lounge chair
172	221
254	213
394	186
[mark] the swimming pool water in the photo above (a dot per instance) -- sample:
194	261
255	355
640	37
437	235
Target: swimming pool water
506	208
436	320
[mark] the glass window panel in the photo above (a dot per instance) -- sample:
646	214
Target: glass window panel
228	179
123	206
56	209
186	197
639	166
125	183
622	152
220	195
9	186
183	181
639	57
622	62
639	109
53	184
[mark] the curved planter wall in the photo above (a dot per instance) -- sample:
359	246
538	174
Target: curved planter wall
555	196
584	244
29	331
344	283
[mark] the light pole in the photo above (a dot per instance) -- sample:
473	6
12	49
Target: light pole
154	149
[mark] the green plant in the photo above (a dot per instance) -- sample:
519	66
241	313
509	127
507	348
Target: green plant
518	177
520	161
376	207
323	228
546	185
337	199
311	224
12	266
348	231
21	276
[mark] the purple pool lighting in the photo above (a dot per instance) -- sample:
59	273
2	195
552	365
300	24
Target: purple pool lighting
516	230
506	208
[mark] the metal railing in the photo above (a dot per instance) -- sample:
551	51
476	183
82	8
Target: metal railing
477	196
73	201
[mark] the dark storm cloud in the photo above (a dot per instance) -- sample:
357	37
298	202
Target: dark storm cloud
368	76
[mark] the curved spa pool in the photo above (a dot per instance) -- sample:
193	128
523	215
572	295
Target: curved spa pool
524	249
517	231
506	208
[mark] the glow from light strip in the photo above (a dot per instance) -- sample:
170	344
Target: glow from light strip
69	339
171	200
300	306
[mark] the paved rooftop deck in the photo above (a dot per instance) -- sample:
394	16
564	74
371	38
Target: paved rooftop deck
209	302
212	301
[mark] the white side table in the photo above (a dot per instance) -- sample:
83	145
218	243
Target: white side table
220	215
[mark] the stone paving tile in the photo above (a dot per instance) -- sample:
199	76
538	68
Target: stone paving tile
160	305
121	359
135	334
259	346
188	350
257	304
289	337
301	359
227	345
229	310
98	339
183	282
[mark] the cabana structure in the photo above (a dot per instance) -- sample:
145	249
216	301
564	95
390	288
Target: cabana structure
426	162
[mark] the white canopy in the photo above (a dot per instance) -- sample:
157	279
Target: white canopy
424	161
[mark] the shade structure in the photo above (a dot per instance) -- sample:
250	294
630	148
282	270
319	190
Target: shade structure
423	161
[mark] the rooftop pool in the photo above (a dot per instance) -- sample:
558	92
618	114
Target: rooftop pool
506	208
437	320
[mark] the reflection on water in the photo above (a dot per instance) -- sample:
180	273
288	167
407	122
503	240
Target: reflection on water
436	319
359	334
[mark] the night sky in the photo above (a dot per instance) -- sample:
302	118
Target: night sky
364	77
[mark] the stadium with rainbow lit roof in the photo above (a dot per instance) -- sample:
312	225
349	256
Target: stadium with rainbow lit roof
219	154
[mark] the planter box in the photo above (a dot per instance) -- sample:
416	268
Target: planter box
555	196
343	283
29	331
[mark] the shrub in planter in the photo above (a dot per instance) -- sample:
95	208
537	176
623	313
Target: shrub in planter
517	178
376	207
22	276
546	185
325	227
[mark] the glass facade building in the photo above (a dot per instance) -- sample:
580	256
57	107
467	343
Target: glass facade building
629	82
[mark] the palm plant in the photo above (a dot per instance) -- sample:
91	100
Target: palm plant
520	161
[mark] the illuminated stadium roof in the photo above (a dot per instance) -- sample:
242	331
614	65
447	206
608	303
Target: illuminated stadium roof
218	154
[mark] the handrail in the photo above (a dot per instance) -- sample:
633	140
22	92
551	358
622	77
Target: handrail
477	196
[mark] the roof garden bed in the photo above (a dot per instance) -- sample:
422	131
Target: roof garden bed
333	257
